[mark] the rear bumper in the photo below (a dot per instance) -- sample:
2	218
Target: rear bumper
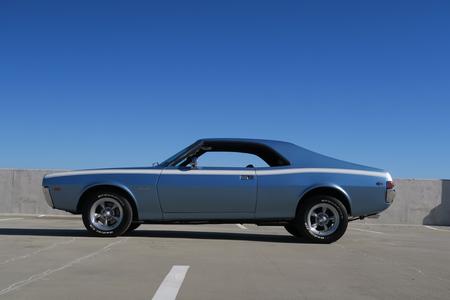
47	196
390	196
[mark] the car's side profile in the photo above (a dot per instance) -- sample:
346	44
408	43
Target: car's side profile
312	195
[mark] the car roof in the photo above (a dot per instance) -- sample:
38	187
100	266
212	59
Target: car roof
245	140
296	156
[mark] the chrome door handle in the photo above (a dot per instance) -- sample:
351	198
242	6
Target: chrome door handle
246	177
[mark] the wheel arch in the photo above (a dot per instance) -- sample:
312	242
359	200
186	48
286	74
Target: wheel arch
111	187
330	190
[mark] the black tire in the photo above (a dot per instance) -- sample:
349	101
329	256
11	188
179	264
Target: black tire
115	230
302	225
292	230
133	226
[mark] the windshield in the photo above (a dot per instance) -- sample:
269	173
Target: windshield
178	154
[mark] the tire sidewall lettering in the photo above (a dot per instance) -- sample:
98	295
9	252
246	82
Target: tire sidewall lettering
126	207
317	200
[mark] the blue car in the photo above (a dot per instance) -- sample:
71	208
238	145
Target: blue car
312	195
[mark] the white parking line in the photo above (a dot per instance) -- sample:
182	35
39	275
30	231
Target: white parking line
241	226
369	231
437	229
406	225
37	251
17	285
171	284
389	224
11	219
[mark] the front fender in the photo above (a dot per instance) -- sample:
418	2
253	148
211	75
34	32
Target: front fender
106	184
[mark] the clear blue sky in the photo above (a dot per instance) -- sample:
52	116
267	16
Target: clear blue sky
104	83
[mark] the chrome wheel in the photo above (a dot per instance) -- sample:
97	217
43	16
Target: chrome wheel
323	219
106	214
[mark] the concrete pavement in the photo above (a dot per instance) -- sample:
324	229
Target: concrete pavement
53	258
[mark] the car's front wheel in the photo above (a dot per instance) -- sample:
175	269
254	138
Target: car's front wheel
133	226
107	214
321	219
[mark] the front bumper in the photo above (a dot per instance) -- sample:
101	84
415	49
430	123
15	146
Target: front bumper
47	196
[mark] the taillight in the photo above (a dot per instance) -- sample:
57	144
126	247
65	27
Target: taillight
390	191
390	185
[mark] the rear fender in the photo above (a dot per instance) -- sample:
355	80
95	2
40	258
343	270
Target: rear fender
327	189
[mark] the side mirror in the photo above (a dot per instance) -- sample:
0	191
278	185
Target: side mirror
155	164
193	163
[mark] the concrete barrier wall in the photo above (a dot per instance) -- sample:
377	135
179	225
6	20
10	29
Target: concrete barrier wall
417	202
21	192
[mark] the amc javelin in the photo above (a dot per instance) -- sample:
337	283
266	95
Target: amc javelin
312	195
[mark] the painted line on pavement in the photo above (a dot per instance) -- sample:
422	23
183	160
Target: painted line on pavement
11	219
369	231
437	229
37	251
241	226
171	284
407	225
392	224
17	285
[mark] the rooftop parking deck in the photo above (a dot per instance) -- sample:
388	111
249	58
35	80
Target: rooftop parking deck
54	258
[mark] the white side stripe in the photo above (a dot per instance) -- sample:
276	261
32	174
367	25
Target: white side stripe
170	286
321	170
112	171
208	172
225	172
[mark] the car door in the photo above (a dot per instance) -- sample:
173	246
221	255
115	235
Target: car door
207	192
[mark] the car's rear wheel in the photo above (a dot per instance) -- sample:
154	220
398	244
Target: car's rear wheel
321	219
107	214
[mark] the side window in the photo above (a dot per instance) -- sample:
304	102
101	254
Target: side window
230	160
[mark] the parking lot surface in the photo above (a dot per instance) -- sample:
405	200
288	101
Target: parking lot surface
54	258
